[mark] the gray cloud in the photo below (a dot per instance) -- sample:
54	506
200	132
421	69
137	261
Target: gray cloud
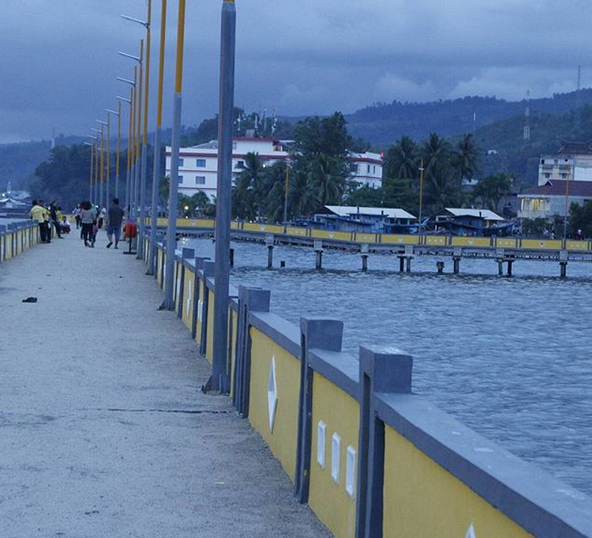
59	59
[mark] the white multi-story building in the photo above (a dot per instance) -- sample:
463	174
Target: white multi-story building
198	165
573	162
564	178
366	168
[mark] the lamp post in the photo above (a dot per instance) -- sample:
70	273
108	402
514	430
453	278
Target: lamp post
102	171
92	164
136	173
118	114
157	145
130	140
566	212
220	380
171	240
421	172
286	190
144	153
95	195
108	184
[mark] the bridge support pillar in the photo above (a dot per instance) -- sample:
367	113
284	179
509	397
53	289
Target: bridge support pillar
510	262
364	262
456	265
440	267
231	257
401	264
365	250
269	241
500	267
408	264
318	247
563	263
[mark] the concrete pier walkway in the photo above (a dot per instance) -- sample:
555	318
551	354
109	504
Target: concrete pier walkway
103	429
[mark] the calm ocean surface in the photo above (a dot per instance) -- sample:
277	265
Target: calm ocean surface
510	357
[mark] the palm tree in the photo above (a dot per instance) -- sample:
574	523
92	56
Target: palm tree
401	159
301	198
441	189
465	160
250	190
276	182
327	180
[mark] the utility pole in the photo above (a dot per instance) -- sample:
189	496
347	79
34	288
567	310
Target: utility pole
220	380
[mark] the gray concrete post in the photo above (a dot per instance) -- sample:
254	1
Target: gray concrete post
386	370
199	264
208	271
322	334
187	253
220	380
249	300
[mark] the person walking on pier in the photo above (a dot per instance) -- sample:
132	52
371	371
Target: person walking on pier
37	214
88	219
53	213
114	222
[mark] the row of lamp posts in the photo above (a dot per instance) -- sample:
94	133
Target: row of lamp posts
137	156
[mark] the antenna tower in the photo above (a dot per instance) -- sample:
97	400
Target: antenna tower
526	133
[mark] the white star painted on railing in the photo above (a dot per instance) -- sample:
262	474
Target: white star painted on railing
272	398
471	532
188	300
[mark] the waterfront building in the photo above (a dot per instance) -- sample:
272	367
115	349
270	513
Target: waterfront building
467	221
564	177
363	219
198	165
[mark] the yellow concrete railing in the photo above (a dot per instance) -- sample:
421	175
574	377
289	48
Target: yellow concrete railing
16	237
371	459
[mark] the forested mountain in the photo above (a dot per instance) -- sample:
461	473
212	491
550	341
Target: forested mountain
506	151
383	123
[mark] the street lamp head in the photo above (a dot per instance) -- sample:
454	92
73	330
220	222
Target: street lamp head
133	19
112	111
101	122
126	55
95	130
130	82
87	143
92	136
129	101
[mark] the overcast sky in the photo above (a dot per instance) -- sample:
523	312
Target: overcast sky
59	58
